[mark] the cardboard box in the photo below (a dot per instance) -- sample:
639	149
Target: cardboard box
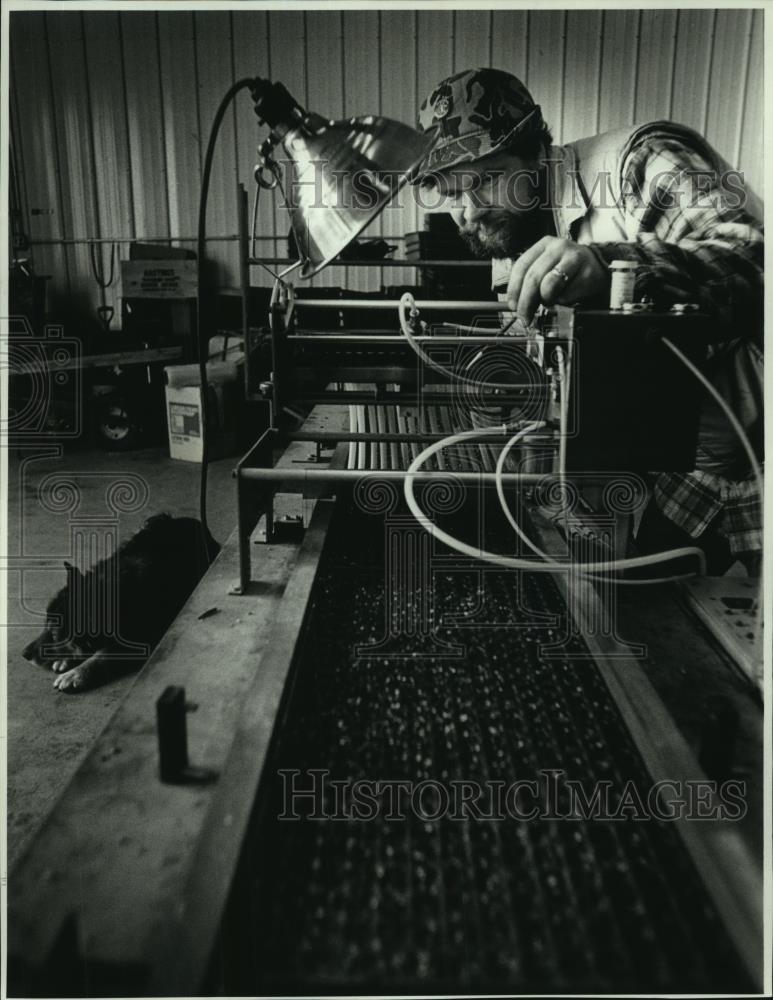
226	346
159	279
184	410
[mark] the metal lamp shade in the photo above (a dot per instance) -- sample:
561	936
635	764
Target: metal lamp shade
343	174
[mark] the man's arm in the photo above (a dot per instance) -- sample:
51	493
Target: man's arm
690	236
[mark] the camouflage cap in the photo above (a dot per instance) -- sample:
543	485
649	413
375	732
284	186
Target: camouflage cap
474	113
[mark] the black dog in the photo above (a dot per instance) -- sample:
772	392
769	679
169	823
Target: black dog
119	610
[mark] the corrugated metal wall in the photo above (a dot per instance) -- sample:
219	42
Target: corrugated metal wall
110	111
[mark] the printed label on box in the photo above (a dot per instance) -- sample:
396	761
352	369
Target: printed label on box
184	420
168	279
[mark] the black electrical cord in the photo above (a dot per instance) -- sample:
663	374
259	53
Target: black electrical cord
248	83
253	248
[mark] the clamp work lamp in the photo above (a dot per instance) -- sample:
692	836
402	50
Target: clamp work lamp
343	173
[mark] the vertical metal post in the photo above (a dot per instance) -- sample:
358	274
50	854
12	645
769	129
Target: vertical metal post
244	272
251	503
244	529
278	355
244	282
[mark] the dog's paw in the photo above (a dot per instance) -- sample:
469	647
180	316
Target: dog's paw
72	681
59	666
85	674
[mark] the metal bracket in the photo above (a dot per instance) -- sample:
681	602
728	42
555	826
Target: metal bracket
174	769
252	503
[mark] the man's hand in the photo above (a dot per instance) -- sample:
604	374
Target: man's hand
554	271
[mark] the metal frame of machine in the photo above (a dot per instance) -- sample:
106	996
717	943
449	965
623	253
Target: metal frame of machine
647	420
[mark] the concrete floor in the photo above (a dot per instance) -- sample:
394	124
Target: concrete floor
50	732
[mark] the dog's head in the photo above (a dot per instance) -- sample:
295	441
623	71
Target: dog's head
64	635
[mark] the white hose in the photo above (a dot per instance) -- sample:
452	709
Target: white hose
655	557
563	363
564	409
406	302
735	423
733	420
513	562
548	564
649	560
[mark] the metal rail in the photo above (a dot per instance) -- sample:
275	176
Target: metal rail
384	262
257	478
343	476
389	339
421	397
390	304
408	438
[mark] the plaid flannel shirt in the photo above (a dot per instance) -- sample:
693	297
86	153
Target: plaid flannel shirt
690	234
683	220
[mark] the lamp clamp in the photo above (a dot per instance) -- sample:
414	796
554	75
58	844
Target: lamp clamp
267	171
275	106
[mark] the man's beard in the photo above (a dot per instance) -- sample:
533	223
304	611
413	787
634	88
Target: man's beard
502	234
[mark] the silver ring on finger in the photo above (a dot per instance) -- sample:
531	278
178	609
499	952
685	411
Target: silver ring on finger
560	274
